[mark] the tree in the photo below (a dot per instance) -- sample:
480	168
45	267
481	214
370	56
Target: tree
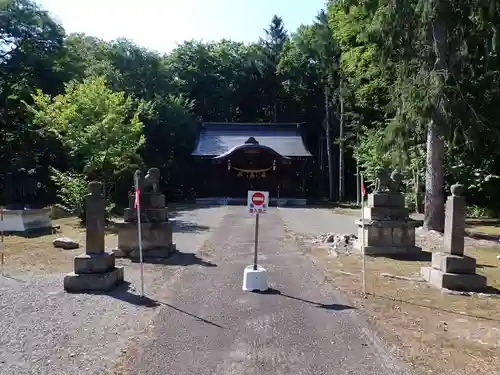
30	45
272	47
323	56
100	129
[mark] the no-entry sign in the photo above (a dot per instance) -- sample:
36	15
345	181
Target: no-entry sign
257	201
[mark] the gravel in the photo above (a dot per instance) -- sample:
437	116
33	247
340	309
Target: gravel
315	221
46	331
213	327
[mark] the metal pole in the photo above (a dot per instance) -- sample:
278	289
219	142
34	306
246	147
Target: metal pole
357	184
2	244
363	236
140	247
278	202
1	220
139	231
256	241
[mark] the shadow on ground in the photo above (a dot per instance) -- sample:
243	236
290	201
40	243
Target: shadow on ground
178	207
485	266
179	259
483	221
424	256
489	290
34	233
199	318
187	226
124	293
332	306
482	236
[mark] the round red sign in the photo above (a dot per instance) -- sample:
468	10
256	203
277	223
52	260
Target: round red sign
258	199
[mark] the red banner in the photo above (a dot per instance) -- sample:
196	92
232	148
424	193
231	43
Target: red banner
137	195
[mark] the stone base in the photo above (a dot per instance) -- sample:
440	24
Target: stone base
386	213
26	220
449	263
161	252
386	199
86	282
154	236
148	214
388	250
454	281
94	263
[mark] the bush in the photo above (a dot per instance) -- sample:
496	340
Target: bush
72	192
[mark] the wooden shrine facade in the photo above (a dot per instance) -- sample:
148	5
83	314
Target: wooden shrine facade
236	157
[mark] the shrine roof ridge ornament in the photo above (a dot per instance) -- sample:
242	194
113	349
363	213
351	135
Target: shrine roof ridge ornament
251	143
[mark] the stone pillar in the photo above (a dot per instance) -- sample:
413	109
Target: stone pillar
454	224
451	269
94	270
95	222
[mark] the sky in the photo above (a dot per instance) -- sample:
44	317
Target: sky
162	24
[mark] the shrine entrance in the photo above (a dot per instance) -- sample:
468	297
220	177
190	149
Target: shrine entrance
253	166
236	157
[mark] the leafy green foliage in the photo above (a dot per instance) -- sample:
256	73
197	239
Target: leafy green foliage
100	129
72	190
99	109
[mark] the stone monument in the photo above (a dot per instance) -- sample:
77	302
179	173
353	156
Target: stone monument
156	229
94	270
452	269
388	230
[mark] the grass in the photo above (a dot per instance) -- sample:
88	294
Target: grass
434	332
38	255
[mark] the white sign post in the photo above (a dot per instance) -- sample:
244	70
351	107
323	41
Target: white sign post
255	278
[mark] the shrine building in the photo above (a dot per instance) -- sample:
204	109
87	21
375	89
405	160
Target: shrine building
237	157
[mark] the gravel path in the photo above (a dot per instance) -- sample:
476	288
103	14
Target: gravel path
209	326
315	221
44	330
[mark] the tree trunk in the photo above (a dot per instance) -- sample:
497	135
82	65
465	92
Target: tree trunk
434	200
434	181
329	154
416	189
341	147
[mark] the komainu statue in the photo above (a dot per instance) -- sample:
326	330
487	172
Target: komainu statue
388	183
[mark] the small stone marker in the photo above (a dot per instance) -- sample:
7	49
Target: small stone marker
451	269
454	224
94	270
65	243
96	211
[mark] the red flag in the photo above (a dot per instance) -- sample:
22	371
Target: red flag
363	191
137	194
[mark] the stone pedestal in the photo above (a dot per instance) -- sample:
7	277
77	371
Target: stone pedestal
452	269
95	270
387	228
156	239
156	229
26	220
